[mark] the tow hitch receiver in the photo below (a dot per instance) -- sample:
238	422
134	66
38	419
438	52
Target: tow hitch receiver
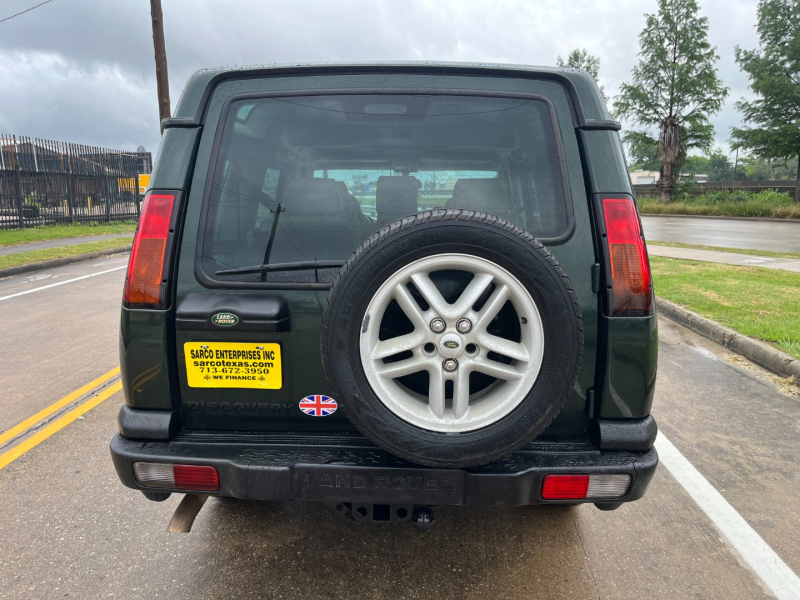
420	516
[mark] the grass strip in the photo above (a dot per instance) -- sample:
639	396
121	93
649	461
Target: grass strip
34	256
12	237
753	208
731	250
761	303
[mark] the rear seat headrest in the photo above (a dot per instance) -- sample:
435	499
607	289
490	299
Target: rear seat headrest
314	197
485	195
396	195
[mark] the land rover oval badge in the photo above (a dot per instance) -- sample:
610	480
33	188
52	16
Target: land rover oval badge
224	319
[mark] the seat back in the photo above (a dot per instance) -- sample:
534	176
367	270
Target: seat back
317	222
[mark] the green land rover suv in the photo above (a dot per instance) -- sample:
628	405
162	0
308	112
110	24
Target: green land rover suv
389	287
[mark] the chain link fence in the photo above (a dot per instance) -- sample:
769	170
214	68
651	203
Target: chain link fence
44	182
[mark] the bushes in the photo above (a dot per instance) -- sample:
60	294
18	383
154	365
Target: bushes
770	197
727	203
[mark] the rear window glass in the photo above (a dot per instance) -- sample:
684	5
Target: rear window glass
301	179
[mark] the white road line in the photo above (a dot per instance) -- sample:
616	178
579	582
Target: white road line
775	573
52	285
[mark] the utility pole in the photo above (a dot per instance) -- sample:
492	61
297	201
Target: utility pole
162	78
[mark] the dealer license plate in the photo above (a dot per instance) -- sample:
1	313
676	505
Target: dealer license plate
223	365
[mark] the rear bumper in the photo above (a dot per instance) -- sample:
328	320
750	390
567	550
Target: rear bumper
349	468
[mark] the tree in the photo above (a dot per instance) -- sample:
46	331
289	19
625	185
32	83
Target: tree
675	86
720	167
715	164
642	151
694	165
774	73
581	59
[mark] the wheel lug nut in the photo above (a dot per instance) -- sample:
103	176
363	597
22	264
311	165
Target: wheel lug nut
464	325
438	325
450	364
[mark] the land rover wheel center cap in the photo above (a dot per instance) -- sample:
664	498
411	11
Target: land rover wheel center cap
451	345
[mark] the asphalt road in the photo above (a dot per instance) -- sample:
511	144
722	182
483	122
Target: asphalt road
58	339
70	529
728	233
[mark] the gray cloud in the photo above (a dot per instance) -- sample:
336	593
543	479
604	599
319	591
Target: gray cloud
82	70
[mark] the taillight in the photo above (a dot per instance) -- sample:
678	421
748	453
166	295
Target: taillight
584	487
196	477
143	284
200	478
629	269
560	487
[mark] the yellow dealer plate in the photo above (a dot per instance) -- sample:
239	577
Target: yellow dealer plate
221	365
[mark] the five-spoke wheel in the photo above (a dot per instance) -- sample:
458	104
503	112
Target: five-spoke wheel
452	341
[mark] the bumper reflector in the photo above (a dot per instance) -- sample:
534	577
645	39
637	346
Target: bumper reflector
201	478
580	487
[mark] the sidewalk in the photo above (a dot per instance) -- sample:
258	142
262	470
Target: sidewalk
61	242
728	258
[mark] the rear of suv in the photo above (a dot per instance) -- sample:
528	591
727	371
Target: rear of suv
389	287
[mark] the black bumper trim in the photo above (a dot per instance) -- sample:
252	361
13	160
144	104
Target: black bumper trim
147	424
636	435
348	468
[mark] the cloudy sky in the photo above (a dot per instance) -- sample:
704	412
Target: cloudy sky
83	70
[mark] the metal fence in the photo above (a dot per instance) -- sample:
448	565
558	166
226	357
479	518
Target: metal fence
43	182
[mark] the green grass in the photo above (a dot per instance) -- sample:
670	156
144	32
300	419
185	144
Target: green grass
760	303
720	249
34	256
737	203
12	237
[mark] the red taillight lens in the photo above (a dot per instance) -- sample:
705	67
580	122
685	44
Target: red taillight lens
146	265
585	487
196	477
201	478
565	487
630	271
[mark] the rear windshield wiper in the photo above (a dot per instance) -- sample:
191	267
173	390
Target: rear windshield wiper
290	266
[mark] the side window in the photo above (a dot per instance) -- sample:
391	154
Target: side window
270	187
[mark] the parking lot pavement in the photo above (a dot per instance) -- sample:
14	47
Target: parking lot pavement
60	330
777	236
740	426
71	530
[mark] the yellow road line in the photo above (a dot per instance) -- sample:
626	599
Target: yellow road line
56	426
46	412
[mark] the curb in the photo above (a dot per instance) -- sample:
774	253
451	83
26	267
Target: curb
772	219
60	262
760	353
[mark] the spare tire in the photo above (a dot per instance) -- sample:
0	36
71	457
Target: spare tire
451	338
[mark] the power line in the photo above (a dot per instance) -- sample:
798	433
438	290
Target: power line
24	11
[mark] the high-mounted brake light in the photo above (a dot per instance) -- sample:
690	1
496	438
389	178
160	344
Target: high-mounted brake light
629	268
146	264
201	478
584	487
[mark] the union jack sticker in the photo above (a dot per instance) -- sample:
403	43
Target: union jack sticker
318	406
